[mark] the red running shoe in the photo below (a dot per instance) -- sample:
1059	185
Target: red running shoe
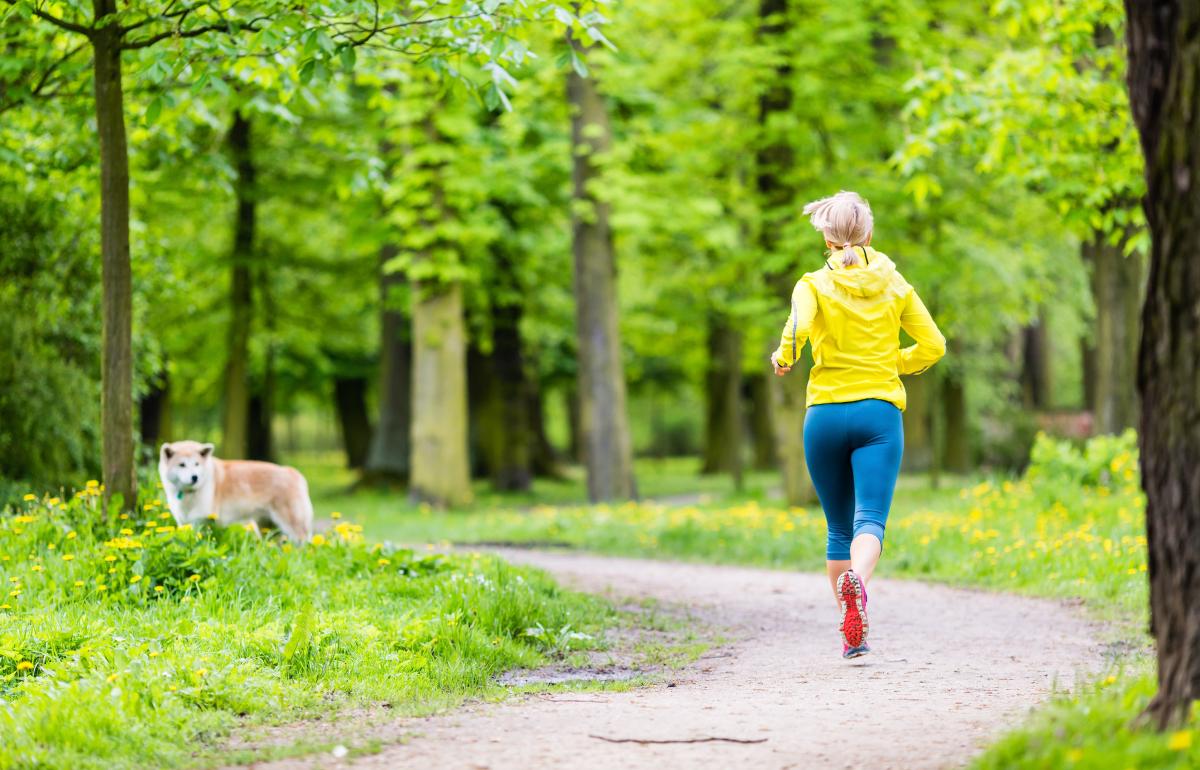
853	600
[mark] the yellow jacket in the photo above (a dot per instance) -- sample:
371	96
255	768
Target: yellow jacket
854	315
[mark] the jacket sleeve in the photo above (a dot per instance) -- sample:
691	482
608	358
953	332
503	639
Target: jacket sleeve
930	344
799	324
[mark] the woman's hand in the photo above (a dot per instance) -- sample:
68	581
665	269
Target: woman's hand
779	370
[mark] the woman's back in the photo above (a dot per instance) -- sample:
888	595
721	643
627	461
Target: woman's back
853	310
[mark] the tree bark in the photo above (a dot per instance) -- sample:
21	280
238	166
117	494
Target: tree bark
544	459
509	447
236	422
1164	59
723	391
350	400
604	421
154	411
918	424
1116	292
758	396
116	403
1035	365
956	446
387	459
439	459
775	159
260	428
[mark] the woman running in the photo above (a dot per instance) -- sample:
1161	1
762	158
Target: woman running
852	310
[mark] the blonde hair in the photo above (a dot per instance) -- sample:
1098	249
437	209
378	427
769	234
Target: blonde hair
844	219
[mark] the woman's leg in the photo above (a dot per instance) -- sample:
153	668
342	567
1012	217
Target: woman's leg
827	453
879	429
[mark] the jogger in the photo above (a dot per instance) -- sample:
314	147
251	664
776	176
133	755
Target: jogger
852	311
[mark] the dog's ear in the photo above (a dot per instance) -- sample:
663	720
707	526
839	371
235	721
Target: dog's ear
167	452
206	450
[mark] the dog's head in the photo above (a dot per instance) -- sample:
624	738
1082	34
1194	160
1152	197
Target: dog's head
185	464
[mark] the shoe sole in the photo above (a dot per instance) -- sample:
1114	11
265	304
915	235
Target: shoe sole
856	652
854	615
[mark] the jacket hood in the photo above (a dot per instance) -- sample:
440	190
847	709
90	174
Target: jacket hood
862	280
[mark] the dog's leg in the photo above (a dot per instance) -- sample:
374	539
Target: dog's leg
289	516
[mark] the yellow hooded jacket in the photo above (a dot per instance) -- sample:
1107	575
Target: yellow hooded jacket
854	315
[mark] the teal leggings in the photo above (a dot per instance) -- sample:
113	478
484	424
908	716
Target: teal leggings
853	452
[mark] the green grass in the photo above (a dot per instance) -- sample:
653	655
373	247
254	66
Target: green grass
132	643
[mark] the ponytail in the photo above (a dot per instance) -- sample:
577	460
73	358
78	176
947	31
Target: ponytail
844	218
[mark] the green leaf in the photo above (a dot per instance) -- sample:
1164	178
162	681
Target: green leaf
302	628
153	110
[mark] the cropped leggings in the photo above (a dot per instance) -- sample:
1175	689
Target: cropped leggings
853	452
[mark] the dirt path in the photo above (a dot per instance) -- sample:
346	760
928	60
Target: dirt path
951	669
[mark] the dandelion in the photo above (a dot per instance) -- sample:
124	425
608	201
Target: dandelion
1180	741
194	578
164	515
51	547
93	483
30	498
1110	679
201	672
53	501
335	515
110	557
15	593
24	665
124	516
37	568
5	607
71	535
79	584
211	517
112	677
154	653
101	587
68	557
127	531
383	562
135	579
318	540
159	589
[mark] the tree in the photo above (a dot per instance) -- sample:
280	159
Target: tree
235	442
1164	57
604	421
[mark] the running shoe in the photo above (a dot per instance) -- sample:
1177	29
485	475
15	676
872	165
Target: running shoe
854	652
853	601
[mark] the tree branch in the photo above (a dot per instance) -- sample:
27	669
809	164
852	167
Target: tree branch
226	27
70	26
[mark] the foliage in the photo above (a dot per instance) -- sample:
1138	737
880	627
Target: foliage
49	342
124	641
1061	467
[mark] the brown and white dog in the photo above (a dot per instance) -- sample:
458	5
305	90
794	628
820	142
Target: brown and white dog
198	485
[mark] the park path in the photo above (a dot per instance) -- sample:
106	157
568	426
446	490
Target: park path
951	670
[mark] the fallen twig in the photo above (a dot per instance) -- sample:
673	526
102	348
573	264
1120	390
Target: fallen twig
680	740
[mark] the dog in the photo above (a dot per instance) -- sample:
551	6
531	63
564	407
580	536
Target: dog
200	486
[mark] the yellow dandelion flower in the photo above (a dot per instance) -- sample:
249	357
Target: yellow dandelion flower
15	593
79	584
201	672
318	540
383	562
1180	741
211	517
159	589
135	579
194	578
1110	679
71	535
14	579
93	483
126	531
37	568
30	498
124	516
164	515
154	653
53	501
101	587
5	607
24	665
51	547
68	557
110	557
172	688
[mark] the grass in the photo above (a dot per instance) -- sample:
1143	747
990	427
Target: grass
128	642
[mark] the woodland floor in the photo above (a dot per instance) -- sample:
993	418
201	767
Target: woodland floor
951	670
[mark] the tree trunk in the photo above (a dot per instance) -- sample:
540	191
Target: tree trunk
1116	292
260	428
956	446
510	448
1164	57
387	460
116	403
1035	365
604	420
918	425
758	396
574	428
722	392
350	400
439	459
1087	360
235	438
775	160
154	411
544	459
